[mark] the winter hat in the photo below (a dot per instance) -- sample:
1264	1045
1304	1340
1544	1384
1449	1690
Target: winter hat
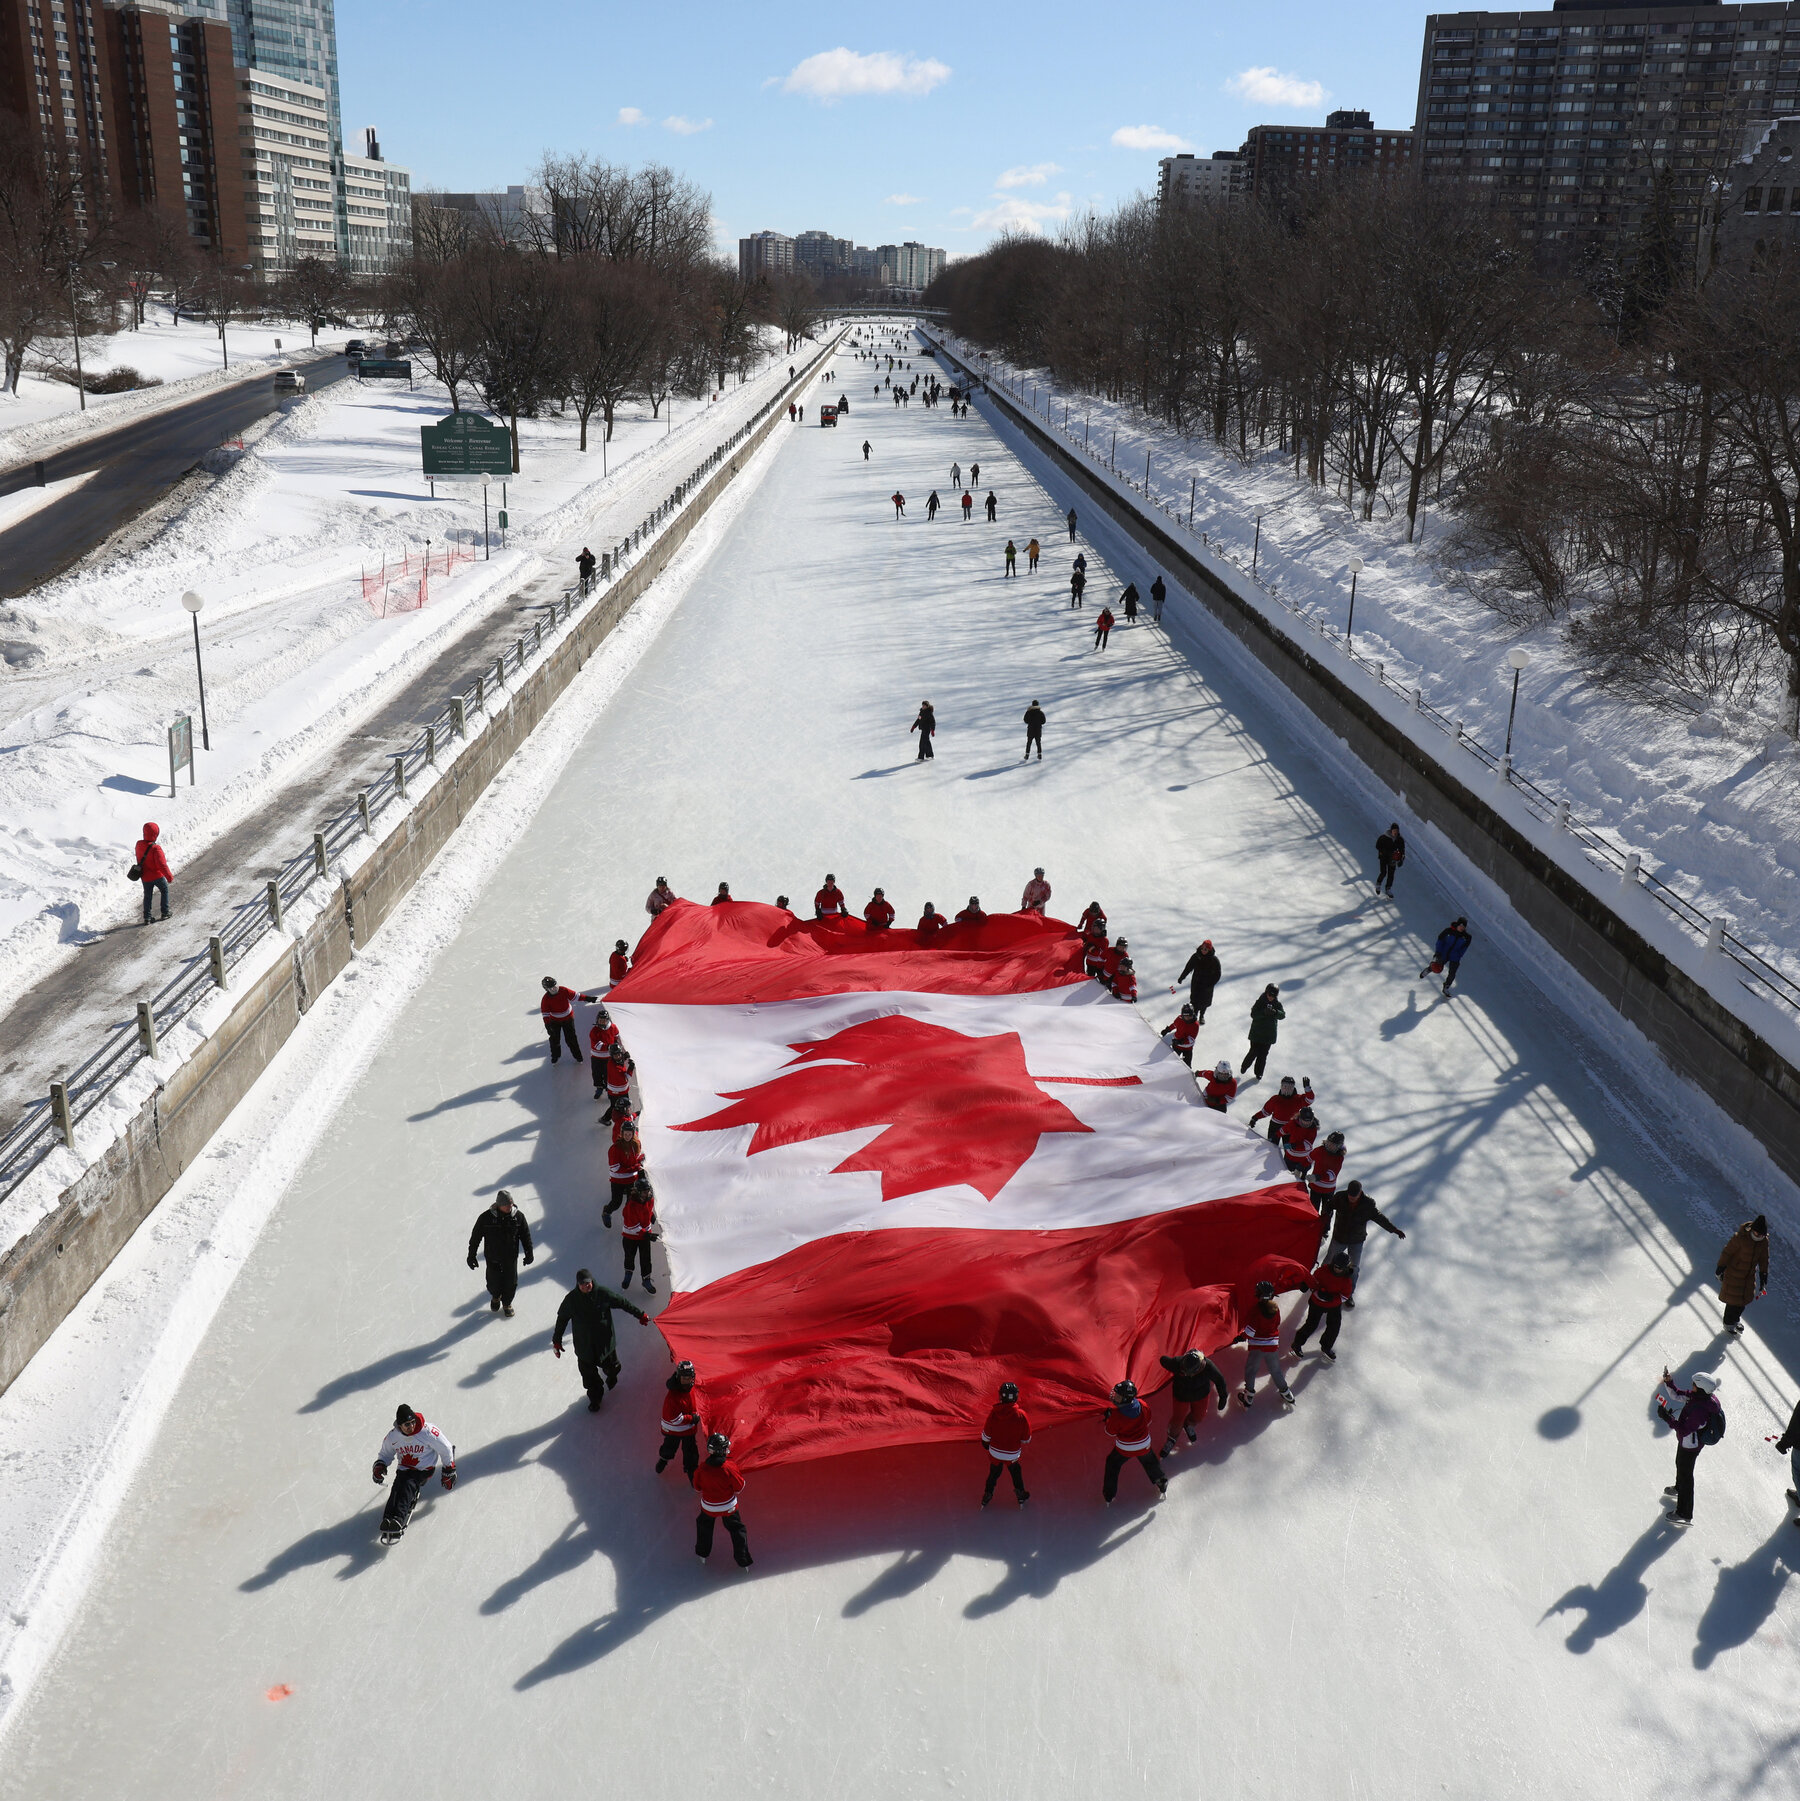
1706	1384
583	1275
402	1414
1192	1360
503	1198
152	829
1760	1226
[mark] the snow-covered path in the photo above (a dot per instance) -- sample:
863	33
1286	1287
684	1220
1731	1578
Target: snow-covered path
1444	1574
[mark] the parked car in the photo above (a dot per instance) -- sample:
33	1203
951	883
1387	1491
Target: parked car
356	347
289	381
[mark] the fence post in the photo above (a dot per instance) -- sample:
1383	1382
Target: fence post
59	1112
521	662
481	690
1562	815
537	636
1633	863
431	744
146	1015
500	670
1716	929
1506	770
459	723
398	759
362	812
215	954
320	861
275	905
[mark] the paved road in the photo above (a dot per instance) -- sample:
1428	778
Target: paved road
137	463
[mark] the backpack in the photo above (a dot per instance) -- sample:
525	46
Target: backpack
1714	1429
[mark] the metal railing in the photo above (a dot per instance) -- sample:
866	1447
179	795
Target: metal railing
1758	975
51	1122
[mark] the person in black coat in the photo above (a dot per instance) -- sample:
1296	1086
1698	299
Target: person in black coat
501	1234
1034	731
1203	969
587	1313
1390	853
926	726
1194	1374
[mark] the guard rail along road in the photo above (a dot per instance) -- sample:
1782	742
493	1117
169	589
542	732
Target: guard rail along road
1721	1013
230	1007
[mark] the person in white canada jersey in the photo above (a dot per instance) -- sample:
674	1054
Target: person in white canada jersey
417	1448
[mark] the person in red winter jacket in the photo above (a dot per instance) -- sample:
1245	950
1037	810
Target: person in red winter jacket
1092	923
723	897
1332	1285
603	1034
971	915
1119	951
1262	1333
1322	1170
558	1011
1006	1435
636	1231
718	1482
1127	1423
681	1421
1221	1086
878	915
618	965
1094	949
1297	1141
150	865
829	902
618	1082
1103	625
1181	1032
624	1165
1124	982
931	924
1282	1108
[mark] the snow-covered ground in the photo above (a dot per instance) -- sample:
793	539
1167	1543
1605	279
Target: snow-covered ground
1446	1573
102	659
184	356
1701	797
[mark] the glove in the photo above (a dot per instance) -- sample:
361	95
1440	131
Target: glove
556	1347
380	1474
471	1263
527	1263
448	1477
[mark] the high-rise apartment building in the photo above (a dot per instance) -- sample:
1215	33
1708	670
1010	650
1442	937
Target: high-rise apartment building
378	200
1599	127
820	254
55	73
1189	180
765	253
1347	144
290	173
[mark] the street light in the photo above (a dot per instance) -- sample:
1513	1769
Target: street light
1520	660
486	553
1356	569
194	603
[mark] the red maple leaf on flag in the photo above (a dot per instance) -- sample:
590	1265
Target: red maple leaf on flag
955	1109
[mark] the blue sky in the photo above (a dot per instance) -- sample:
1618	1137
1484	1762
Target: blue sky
881	123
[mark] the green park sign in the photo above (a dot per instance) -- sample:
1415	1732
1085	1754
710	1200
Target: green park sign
465	444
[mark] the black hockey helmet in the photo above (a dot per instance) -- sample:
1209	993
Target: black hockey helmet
1265	1291
619	944
718	1445
1335	1138
549	984
1307	1117
1289	1086
1187	1012
642	1187
1009	1391
1125	1392
1192	1360
684	1374
601	1016
1341	1260
405	1418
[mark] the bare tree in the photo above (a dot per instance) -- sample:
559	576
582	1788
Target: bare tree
315	292
430	298
517	312
614	311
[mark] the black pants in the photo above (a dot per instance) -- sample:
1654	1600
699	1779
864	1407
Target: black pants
637	1250
1186	1053
734	1524
1258	1059
1015	1469
1732	1316
598	1376
926	753
620	1191
1071	532
1100	637
1450	975
1034	734
1333	1318
686	1444
403	1497
1684	1481
1116	1461
556	1030
1200	999
1385	874
502	1281
599	1064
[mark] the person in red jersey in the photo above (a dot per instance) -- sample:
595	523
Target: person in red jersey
1092	923
1124	982
618	965
1323	1168
1297	1141
1037	891
718	1482
931	924
1332	1285
558	1011
636	1231
1181	1033
1262	1333
971	915
1221	1086
1283	1107
618	1082
1006	1435
829	902
681	1421
1127	1423
1119	951
1093	957
602	1036
878	915
624	1164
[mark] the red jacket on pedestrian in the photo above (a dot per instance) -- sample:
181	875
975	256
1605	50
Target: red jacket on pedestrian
1183	1032
681	1410
625	1160
970	916
1007	1432
1297	1143
719	1485
1220	1095
601	1038
879	914
1330	1290
559	1004
829	903
930	925
639	1218
1124	983
1284	1109
618	966
1323	1168
153	865
1130	1432
1104	622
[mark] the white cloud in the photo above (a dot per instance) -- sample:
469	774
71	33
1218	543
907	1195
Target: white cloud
687	127
1012	213
1268	87
630	115
842	74
904	200
1028	175
1148	137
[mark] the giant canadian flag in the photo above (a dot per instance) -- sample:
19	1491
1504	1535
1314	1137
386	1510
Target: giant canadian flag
892	1176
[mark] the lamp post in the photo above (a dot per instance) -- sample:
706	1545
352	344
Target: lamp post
1356	569
194	603
486	552
1519	659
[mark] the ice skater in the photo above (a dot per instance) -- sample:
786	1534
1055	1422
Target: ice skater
557	1009
638	1231
1129	601
1196	1376
866	441
1005	1437
681	1421
968	506
1201	972
501	1234
1181	1032
1159	592
899	501
1266	1015
718	1483
878	915
926	726
1284	1105
586	1314
603	1035
661	896
1447	954
418	1448
992	505
1127	1423
1012	558
1743	1271
1103	624
1031	555
1077	582
932	503
1701	1422
1390	853
1349	1215
1262	1334
1071	525
1331	1288
1035	722
1037	891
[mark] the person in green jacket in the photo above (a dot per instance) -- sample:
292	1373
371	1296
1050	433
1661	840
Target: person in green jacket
1266	1013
